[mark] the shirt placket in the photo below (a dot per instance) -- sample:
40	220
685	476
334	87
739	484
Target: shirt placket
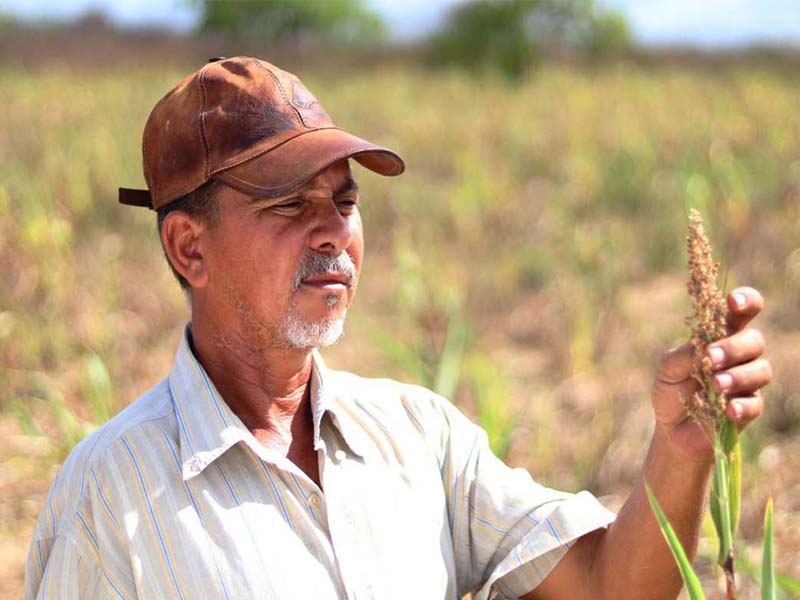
348	532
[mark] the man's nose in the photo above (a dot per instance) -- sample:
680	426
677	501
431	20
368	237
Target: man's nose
333	231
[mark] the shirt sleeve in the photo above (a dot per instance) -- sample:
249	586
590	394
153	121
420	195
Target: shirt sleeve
72	554
72	572
508	531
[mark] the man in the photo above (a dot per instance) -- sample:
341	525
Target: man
253	471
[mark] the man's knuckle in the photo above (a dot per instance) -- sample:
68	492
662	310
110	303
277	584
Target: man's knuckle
755	338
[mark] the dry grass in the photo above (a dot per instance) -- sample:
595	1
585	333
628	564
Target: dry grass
548	215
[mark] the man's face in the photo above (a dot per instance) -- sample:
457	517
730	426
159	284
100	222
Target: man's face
286	268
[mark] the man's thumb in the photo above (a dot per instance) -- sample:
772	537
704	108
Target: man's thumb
676	364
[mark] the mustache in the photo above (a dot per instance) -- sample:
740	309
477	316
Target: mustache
320	263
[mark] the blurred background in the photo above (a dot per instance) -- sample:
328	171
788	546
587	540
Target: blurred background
530	264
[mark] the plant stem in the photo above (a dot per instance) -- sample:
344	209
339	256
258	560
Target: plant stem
724	444
721	490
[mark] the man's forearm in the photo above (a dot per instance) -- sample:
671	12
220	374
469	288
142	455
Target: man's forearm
632	559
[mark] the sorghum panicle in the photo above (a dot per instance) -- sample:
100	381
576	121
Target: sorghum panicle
708	319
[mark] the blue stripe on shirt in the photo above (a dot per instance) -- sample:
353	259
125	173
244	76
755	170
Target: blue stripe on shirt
151	510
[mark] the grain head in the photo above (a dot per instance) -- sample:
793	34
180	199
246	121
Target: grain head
707	321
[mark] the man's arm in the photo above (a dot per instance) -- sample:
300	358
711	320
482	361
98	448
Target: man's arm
630	559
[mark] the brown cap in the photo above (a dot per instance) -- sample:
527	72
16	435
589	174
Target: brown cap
249	124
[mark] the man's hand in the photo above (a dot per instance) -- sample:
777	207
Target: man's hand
630	559
740	372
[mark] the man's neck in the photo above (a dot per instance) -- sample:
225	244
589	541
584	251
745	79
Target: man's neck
268	389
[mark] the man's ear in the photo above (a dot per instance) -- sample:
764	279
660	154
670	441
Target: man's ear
180	235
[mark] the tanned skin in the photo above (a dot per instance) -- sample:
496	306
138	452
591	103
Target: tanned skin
241	271
630	559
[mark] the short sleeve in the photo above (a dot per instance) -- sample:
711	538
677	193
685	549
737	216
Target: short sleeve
72	554
72	572
508	531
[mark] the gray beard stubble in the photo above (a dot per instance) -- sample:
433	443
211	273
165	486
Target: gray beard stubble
299	333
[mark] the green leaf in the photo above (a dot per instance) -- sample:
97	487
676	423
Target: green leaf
448	370
767	563
714	508
726	487
23	416
789	584
490	386
690	578
729	437
399	354
97	388
735	486
720	485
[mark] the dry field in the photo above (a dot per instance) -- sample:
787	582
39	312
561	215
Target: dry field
529	264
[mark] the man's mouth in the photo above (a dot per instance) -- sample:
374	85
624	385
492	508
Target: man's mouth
326	273
331	282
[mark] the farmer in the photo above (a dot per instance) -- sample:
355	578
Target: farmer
253	471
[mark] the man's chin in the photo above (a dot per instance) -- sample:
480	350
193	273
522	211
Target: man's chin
301	333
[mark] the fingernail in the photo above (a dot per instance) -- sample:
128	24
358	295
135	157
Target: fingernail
739	300
738	409
717	355
724	381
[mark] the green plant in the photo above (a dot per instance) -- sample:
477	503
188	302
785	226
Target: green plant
491	390
446	370
707	407
275	20
690	579
511	35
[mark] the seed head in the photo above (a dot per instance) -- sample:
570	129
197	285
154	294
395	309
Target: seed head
707	321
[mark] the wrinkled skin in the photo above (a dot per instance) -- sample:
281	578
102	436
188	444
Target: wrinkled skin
242	270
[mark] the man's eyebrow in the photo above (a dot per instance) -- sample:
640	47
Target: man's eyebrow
349	185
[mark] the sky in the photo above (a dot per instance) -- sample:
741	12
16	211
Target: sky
703	23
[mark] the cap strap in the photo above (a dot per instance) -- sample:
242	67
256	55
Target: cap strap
135	197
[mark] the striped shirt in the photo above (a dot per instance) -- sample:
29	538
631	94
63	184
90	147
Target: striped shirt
175	498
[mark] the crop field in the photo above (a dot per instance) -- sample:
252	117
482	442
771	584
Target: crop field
529	264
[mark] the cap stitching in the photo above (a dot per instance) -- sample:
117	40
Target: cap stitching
283	93
169	192
289	186
144	165
203	135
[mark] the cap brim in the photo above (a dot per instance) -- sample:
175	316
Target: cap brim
291	165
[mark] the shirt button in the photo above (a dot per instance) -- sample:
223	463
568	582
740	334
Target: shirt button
313	500
339	455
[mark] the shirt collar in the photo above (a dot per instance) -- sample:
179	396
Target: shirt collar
207	427
328	395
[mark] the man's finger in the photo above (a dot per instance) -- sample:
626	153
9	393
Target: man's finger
744	303
744	409
746	345
743	379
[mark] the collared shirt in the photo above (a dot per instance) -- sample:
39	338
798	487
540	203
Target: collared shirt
175	498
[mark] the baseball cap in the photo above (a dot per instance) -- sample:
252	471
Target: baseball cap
249	124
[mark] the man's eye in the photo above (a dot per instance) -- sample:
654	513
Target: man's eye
293	205
347	203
